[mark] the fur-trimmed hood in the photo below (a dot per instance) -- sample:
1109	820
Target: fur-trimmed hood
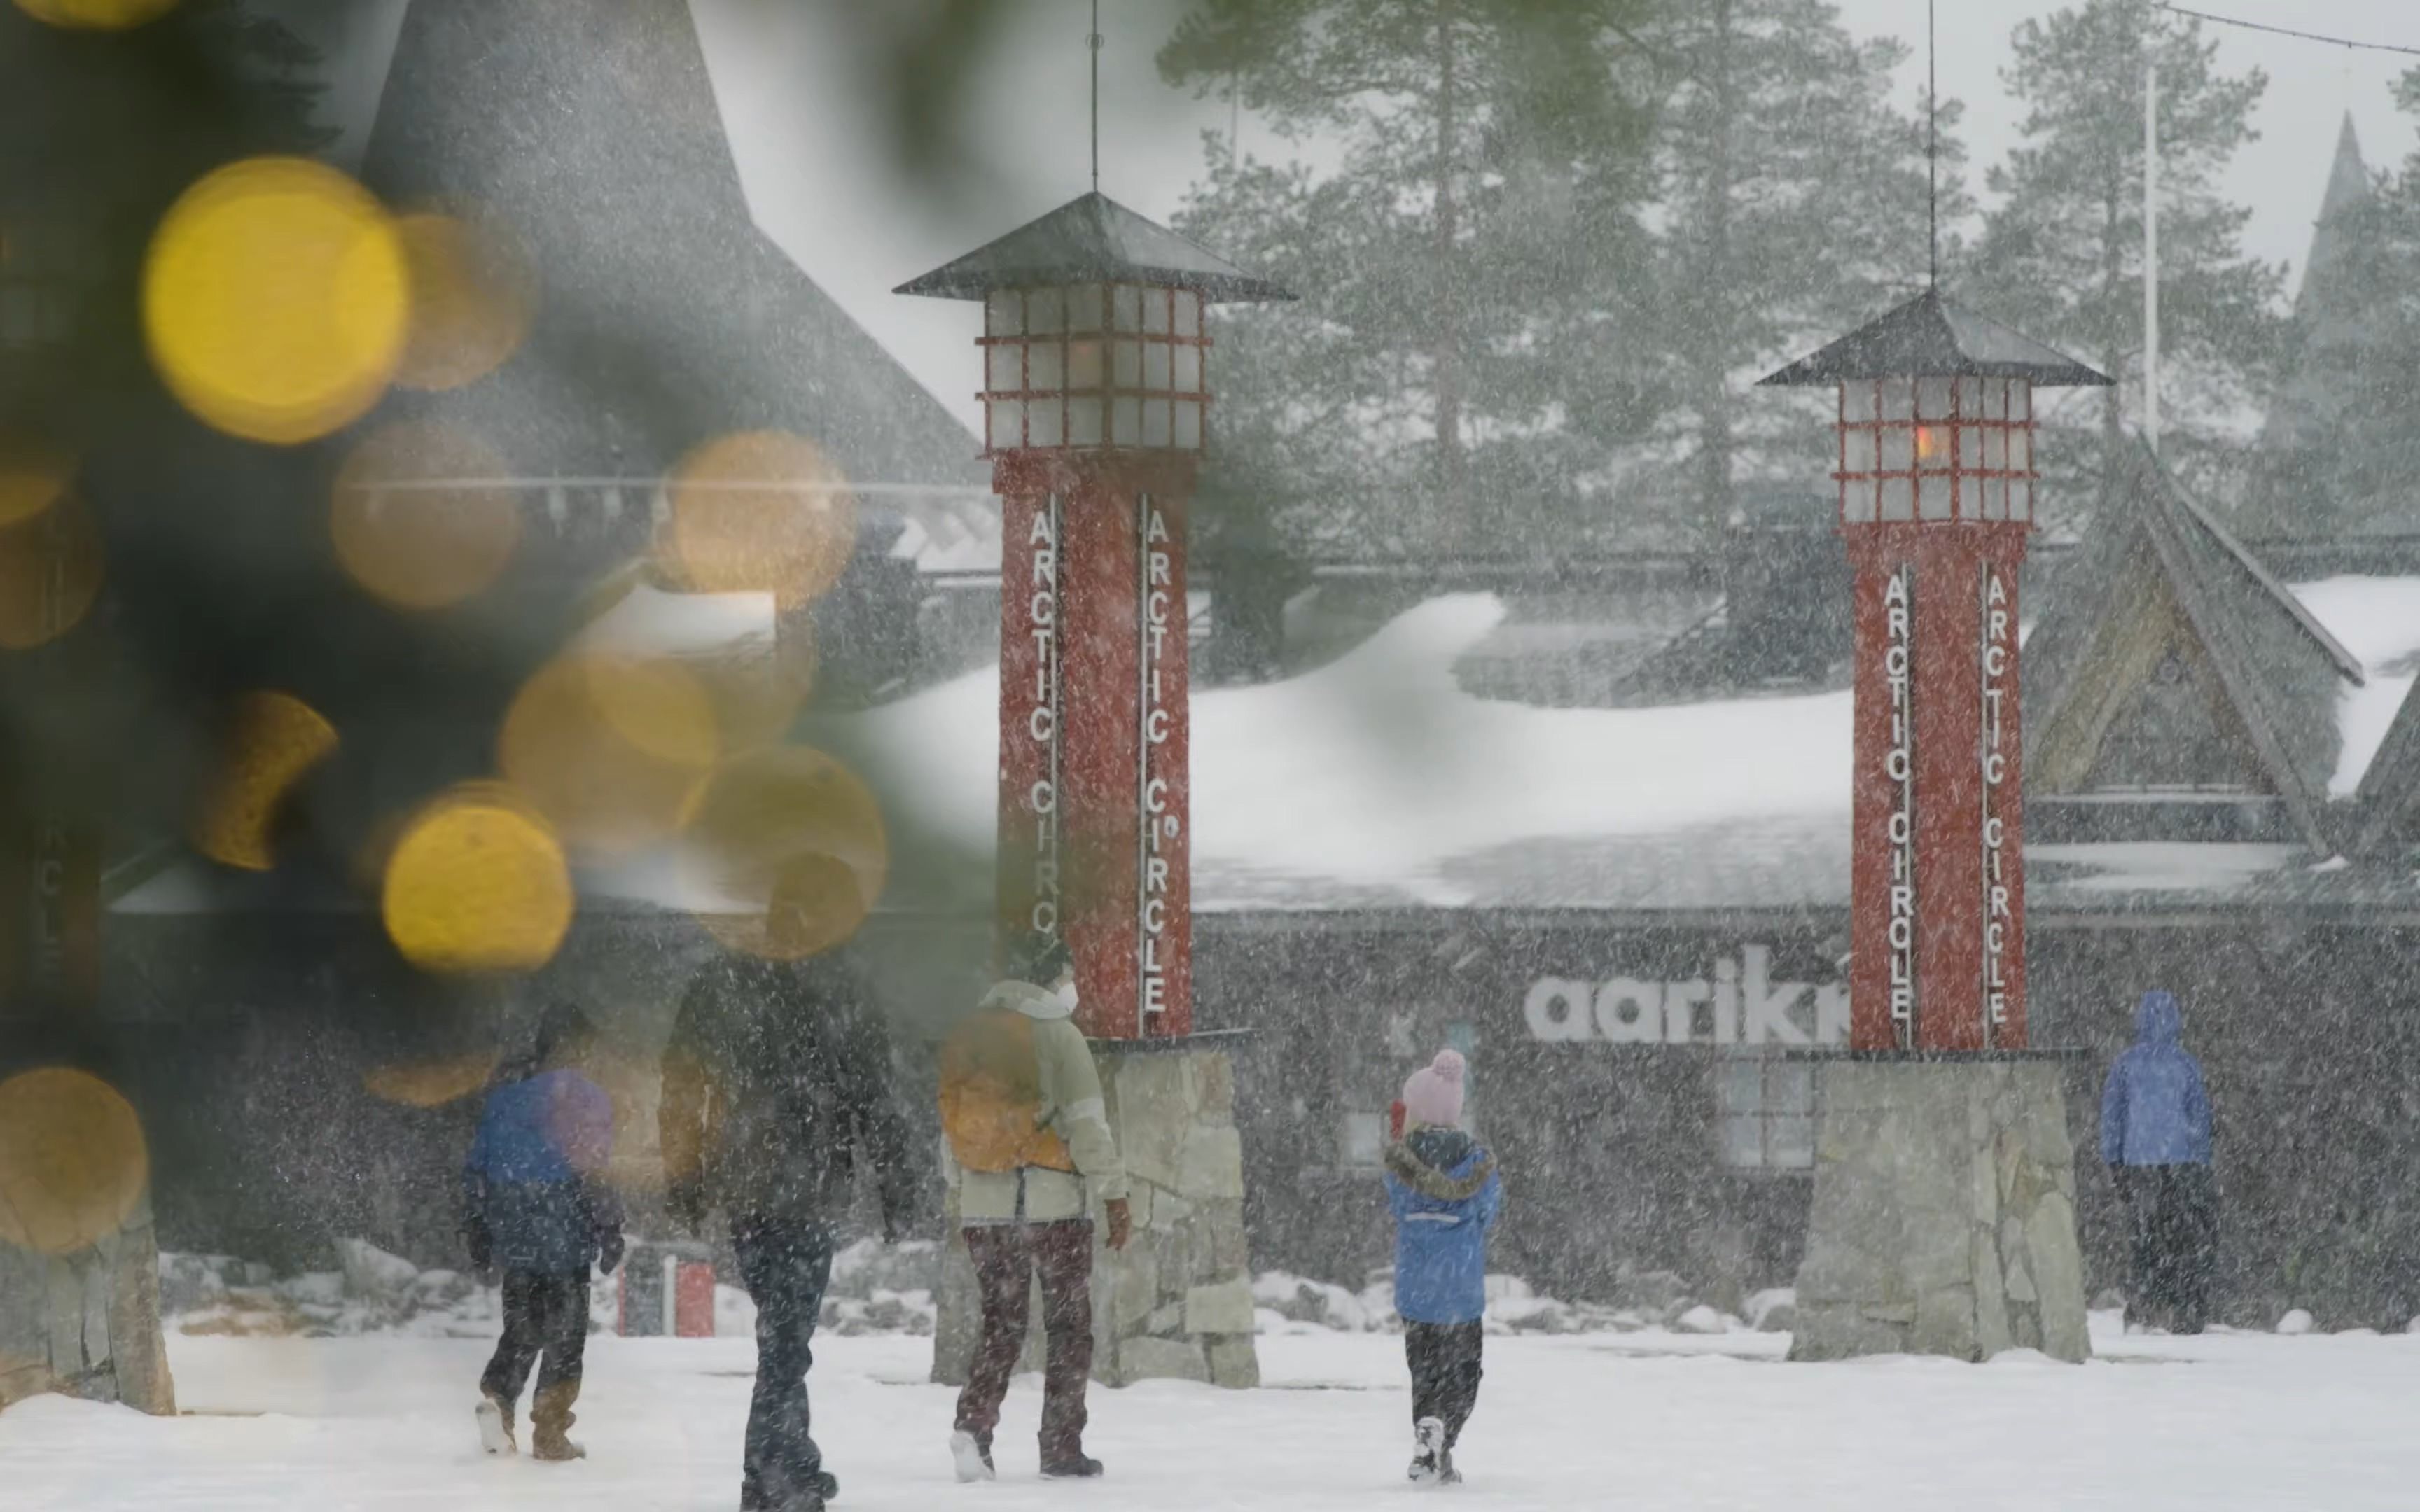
1443	1163
1034	1002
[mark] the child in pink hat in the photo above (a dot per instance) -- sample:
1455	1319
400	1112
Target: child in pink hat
1443	1191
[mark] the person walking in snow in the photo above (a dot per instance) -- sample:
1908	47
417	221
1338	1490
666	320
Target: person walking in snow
535	1203
1443	1188
2155	1139
777	1094
1029	1143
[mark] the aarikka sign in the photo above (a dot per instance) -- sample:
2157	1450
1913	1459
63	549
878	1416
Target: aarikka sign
1737	1003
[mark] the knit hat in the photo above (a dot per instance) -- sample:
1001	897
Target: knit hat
1433	1094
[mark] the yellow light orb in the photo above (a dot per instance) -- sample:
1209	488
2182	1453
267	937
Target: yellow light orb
796	843
275	739
276	299
34	475
431	1083
50	574
419	519
757	692
615	750
96	15
477	885
72	1161
761	512
473	297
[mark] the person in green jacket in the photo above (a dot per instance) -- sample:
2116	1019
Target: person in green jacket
1029	1143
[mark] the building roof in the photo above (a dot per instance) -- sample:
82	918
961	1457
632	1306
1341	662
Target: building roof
1929	335
1091	239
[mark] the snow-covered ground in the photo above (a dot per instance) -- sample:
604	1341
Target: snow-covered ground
1644	1419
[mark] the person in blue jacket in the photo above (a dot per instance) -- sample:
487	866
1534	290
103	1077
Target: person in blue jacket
2155	1139
1444	1190
535	1204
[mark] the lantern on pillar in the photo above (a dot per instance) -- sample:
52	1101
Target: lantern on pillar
1097	409
1937	483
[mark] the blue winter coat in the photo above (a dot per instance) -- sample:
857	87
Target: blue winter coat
528	1185
1443	1191
2155	1110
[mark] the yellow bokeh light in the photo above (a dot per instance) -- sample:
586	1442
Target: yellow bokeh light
72	1161
431	1083
34	475
275	739
96	15
477	884
276	299
473	297
419	518
761	512
796	843
50	574
615	750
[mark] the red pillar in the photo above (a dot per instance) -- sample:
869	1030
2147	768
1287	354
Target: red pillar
1937	880
1096	831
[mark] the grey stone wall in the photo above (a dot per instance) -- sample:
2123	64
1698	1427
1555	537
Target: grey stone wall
1177	1303
1943	1217
86	1324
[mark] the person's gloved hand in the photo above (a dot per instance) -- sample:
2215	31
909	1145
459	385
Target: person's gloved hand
1121	1222
609	1250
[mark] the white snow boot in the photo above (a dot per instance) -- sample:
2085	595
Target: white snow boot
495	1427
972	1455
1428	1438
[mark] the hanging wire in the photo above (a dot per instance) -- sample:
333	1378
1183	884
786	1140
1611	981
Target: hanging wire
1093	45
2288	31
1931	148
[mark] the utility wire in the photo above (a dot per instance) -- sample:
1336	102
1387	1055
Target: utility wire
2288	31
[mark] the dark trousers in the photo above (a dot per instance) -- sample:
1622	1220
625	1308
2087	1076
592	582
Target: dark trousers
786	1264
545	1312
2173	1211
1005	1256
1445	1372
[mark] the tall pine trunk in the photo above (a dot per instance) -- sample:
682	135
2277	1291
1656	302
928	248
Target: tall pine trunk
1454	466
1715	444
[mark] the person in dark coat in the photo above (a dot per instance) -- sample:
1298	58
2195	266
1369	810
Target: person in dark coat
2155	1137
1443	1188
535	1203
777	1093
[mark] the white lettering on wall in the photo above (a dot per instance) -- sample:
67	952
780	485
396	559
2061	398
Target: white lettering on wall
1739	1003
1042	721
1899	767
1156	822
1999	691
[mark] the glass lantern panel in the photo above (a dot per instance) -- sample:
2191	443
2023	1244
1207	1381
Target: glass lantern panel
1895	395
1042	422
1006	368
1004	313
2021	451
1083	364
1007	424
1858	455
1933	447
1155	311
1045	311
2021	499
1933	398
1995	447
1970	447
1189	424
1932	497
1188	312
1995	495
1970	397
1126	372
1898	449
1087	307
1189	370
2021	399
1857	501
1154	422
1856	401
1126	301
1125	422
1154	365
1045	367
1996	398
1083	421
1899	500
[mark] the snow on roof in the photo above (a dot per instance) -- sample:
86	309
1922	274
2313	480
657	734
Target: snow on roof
646	620
2378	620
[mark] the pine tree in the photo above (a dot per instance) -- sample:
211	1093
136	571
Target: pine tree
2061	257
1451	251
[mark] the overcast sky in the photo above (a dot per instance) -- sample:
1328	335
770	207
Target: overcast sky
809	135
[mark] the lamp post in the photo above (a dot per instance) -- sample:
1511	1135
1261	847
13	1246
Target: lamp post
1097	409
1938	495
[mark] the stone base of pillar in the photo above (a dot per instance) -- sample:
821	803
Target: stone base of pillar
1944	1215
1177	1304
86	1324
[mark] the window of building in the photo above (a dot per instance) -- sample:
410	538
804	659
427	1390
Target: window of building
1362	1142
1765	1112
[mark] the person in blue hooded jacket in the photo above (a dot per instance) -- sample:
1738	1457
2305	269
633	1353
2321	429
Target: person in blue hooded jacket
2155	1139
1444	1190
535	1204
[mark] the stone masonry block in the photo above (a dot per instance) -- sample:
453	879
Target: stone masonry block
1213	1165
1222	1307
1148	1358
1235	1362
1153	1116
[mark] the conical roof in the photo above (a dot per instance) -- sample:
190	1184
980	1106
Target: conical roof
1091	239
1931	335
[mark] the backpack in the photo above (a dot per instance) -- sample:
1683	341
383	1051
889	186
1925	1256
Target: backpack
991	1096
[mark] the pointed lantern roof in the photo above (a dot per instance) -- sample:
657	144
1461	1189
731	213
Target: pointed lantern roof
1931	336
1093	238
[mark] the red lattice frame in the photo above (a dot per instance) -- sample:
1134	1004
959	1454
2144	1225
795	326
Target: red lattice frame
1158	414
1980	489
